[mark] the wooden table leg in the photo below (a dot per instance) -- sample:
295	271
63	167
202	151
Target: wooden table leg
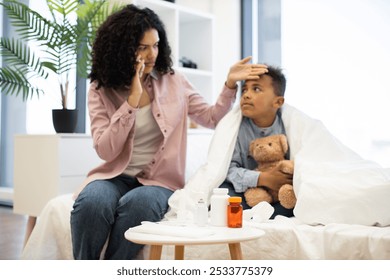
31	221
155	252
235	251
179	252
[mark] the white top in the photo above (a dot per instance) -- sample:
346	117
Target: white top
147	138
170	234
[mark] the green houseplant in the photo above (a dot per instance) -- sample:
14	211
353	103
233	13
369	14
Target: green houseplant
55	48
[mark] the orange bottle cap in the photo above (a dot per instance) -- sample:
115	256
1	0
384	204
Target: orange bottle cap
235	199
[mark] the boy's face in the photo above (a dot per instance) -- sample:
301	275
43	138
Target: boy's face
259	102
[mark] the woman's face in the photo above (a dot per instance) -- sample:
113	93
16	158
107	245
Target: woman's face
148	49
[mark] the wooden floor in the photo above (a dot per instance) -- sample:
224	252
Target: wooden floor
12	229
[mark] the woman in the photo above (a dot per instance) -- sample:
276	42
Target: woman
138	107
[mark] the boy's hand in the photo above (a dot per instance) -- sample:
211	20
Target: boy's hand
242	70
274	179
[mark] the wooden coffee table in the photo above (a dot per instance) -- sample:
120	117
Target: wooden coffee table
230	236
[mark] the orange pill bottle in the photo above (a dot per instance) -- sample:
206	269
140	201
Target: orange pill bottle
234	212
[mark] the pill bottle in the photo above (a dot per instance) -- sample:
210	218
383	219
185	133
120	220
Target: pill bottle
218	206
202	213
234	212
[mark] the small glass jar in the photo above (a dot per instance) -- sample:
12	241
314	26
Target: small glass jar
202	213
234	212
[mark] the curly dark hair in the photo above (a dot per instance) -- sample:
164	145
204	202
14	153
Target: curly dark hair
116	43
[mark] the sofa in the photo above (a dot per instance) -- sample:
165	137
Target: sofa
342	209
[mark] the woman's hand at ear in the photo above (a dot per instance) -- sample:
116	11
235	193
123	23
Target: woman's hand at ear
136	85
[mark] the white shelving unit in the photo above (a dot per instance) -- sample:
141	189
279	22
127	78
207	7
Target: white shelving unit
190	35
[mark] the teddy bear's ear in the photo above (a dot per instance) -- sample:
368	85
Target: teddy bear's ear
251	147
283	142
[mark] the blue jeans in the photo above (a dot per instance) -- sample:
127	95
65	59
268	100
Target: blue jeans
279	209
106	209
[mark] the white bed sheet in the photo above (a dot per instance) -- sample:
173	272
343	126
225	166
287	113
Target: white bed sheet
287	239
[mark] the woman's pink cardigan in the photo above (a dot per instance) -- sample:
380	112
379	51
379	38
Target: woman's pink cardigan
173	99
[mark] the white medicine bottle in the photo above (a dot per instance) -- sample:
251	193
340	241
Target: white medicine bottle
218	203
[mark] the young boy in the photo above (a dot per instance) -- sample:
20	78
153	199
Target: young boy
260	103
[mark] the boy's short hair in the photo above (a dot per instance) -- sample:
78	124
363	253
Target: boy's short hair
278	79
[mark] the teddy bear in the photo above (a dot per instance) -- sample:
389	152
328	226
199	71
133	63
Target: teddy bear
270	152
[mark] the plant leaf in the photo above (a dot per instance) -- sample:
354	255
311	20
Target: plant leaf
29	24
65	40
13	81
16	54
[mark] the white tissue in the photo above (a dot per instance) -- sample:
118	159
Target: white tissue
259	213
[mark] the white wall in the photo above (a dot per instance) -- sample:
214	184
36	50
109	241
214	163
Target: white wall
336	56
227	37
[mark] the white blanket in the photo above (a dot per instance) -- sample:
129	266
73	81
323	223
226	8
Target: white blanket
332	183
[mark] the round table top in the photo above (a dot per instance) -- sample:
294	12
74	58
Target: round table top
171	234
